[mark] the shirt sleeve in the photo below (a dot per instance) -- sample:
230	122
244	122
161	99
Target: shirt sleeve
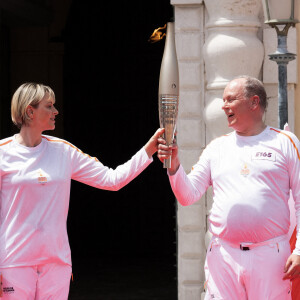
189	188
90	171
294	175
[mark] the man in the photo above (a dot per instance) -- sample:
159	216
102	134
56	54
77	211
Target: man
251	171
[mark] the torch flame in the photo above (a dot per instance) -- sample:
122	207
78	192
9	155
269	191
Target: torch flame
157	34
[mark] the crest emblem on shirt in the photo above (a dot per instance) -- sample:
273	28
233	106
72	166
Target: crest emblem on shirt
42	179
245	170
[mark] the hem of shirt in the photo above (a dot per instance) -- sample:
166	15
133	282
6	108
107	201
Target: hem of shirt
177	172
296	251
146	155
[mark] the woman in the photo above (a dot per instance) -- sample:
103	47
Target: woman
36	172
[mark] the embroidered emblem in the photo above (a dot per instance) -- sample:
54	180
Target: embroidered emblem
42	179
245	171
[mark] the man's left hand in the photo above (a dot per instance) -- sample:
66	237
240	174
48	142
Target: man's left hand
292	267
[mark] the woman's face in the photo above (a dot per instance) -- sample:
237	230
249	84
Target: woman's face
43	116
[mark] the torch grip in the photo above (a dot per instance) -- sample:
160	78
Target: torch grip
168	109
167	163
169	138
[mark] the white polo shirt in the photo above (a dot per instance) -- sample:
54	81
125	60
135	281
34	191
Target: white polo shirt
34	196
251	177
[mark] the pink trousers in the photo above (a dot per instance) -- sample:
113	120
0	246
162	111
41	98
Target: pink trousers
247	273
42	282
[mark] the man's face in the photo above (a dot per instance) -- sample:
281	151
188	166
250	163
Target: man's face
237	108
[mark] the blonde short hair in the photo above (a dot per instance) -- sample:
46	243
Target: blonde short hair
29	93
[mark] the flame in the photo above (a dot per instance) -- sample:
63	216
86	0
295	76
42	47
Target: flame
157	34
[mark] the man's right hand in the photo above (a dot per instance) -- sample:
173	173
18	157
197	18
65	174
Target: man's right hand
165	152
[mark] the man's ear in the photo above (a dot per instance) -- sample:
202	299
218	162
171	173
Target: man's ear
254	102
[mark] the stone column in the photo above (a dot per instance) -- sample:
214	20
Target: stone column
189	33
232	48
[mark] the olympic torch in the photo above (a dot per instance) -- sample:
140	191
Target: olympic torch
168	92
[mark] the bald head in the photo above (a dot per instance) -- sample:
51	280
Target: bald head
253	87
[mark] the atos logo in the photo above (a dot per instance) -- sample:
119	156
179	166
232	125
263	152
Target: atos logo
263	154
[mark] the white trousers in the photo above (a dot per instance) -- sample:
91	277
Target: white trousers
254	274
42	282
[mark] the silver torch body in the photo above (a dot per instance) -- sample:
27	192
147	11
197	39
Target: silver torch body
168	93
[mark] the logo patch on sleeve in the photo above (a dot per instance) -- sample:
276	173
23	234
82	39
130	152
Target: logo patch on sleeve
264	155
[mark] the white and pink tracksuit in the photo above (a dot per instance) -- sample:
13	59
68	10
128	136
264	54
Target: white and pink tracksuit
34	201
251	177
